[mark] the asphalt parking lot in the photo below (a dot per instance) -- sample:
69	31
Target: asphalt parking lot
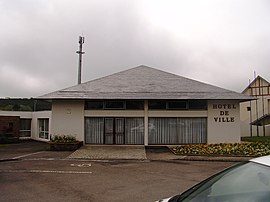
40	175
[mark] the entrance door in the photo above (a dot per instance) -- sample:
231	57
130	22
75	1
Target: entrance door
114	131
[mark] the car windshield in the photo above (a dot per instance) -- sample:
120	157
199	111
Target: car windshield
245	182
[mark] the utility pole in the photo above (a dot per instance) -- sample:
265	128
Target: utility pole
80	52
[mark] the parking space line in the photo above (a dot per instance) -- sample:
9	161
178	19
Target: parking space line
18	157
45	171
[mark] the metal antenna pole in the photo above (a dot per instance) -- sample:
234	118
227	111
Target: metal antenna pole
80	52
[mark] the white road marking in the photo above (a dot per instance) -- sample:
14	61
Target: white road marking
18	157
81	165
45	171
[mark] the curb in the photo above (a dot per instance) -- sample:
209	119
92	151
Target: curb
9	159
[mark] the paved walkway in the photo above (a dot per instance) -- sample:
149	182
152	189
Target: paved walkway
101	152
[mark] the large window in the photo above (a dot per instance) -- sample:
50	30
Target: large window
177	130
114	130
25	127
134	131
43	127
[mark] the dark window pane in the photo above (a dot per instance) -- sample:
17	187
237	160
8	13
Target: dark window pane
114	105
177	104
94	105
157	104
135	104
25	128
198	104
25	124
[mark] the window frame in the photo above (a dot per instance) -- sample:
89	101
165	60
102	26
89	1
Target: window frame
43	133
25	130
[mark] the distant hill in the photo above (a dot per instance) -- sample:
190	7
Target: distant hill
24	104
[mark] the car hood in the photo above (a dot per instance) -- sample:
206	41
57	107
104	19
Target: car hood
164	200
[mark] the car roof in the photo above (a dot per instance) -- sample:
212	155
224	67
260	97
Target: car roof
265	160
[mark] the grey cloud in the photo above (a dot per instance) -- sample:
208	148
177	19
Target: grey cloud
40	38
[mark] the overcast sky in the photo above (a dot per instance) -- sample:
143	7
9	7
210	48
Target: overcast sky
220	42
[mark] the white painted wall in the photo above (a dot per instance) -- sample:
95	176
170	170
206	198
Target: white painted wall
223	121
68	118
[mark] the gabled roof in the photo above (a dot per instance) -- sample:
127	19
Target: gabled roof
144	82
254	81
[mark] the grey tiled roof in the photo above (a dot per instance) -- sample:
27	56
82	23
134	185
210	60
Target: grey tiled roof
144	82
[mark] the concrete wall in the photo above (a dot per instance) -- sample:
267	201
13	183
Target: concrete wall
68	118
223	121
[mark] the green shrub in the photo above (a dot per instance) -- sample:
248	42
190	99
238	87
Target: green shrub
236	149
63	138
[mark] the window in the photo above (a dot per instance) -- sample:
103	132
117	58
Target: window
43	127
94	105
135	104
114	105
25	128
157	104
177	130
197	104
177	104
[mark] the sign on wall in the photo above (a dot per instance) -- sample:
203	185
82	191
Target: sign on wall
224	114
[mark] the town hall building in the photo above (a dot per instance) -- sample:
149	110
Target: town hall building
144	106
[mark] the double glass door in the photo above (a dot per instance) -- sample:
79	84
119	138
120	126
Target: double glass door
114	131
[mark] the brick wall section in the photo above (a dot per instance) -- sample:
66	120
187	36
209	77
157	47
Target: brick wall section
10	125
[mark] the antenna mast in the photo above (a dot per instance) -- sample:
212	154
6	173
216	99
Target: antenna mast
80	52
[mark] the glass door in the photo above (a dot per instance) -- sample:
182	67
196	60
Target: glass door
119	130
114	131
109	131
